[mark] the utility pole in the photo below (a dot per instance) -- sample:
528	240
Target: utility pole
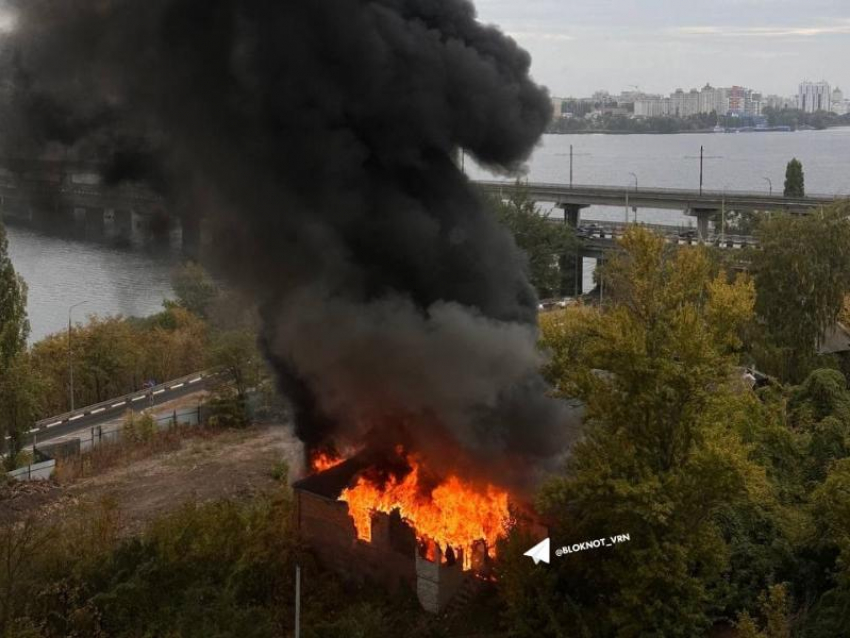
702	157
572	155
70	354
297	601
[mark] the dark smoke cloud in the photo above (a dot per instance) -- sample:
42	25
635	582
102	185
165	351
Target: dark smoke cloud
321	134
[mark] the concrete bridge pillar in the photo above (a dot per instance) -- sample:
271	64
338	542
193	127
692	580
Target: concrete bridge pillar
572	213
704	216
122	223
572	273
94	222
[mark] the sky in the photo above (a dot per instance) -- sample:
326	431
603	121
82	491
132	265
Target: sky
580	46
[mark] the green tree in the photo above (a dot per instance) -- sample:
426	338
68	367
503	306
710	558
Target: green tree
14	326
21	397
661	456
795	181
16	399
802	273
235	355
543	241
194	288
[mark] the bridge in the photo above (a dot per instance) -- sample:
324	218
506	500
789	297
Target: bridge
70	196
703	204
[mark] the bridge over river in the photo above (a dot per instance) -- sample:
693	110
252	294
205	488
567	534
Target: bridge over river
702	204
596	238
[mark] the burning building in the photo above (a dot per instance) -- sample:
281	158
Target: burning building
317	141
381	517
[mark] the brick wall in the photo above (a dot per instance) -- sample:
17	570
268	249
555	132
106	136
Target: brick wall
391	558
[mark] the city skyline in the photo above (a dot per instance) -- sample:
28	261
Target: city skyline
661	45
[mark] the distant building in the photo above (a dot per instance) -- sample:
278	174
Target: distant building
777	102
558	110
814	96
839	104
652	106
713	100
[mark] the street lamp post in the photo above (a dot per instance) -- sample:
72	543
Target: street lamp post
723	215
70	355
634	208
572	155
770	184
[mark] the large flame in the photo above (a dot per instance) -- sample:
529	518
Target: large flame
454	514
324	460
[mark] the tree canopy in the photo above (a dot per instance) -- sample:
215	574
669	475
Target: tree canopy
660	459
14	325
795	181
802	274
542	241
18	395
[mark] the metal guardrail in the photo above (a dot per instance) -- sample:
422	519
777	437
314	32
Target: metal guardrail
686	234
120	402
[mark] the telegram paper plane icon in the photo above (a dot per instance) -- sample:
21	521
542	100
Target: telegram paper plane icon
539	552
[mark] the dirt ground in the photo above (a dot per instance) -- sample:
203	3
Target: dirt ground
237	464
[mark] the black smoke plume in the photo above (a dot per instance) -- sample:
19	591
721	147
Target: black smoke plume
322	134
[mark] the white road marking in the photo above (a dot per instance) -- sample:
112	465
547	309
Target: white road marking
74	418
179	385
195	380
54	424
159	392
138	398
115	405
98	411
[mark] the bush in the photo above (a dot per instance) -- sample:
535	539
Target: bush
227	410
138	428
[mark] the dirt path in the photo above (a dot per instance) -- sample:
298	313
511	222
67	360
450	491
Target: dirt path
236	464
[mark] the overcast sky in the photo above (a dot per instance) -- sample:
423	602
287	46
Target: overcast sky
579	46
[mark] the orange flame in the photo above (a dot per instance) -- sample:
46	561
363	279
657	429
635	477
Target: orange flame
455	514
322	461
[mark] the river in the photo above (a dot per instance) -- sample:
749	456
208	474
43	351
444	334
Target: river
61	271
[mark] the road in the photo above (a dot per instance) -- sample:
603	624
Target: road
82	420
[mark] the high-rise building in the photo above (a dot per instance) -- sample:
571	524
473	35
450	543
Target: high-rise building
839	105
779	103
652	106
737	100
814	96
557	107
754	104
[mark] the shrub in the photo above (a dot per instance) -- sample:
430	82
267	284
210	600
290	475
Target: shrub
138	428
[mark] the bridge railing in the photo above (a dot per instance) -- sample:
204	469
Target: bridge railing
605	230
688	193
